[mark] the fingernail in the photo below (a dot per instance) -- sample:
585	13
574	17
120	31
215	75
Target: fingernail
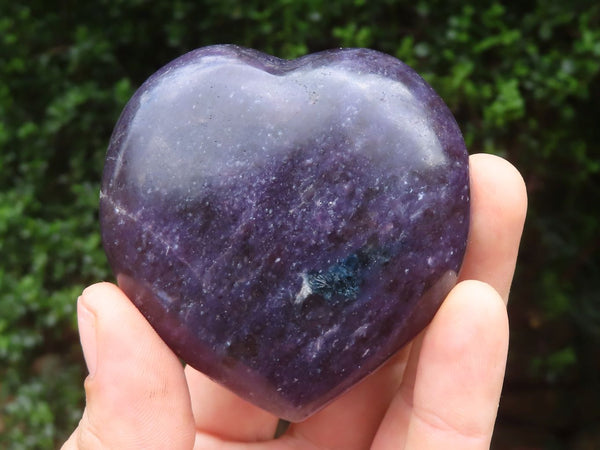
86	321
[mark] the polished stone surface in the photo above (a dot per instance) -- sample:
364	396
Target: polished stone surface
286	226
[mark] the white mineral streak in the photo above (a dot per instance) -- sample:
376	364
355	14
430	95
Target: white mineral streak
305	290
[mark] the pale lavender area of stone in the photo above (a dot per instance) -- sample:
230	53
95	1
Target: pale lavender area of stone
286	226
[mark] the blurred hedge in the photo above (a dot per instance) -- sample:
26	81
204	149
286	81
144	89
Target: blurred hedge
522	79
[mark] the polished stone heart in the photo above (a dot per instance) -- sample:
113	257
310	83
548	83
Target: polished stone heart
286	226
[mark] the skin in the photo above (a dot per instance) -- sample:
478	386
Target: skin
441	391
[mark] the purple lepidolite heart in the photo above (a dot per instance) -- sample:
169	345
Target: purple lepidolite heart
286	226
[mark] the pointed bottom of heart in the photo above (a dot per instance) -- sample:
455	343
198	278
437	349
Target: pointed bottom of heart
310	388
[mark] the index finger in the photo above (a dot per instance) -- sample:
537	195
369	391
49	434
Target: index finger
499	197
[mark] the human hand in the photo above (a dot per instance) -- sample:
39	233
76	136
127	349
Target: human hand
441	391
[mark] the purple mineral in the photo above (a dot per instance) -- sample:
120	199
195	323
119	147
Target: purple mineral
286	226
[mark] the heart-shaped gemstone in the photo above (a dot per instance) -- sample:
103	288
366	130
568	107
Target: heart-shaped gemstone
286	226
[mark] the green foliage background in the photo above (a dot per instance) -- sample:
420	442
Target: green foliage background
523	79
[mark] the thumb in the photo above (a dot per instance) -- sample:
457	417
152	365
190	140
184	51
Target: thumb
136	393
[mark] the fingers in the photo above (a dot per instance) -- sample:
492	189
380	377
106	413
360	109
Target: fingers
449	397
222	414
136	393
498	208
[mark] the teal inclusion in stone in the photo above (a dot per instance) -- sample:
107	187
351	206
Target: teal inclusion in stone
342	280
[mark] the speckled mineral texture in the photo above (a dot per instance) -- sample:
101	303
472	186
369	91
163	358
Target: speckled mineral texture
286	226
